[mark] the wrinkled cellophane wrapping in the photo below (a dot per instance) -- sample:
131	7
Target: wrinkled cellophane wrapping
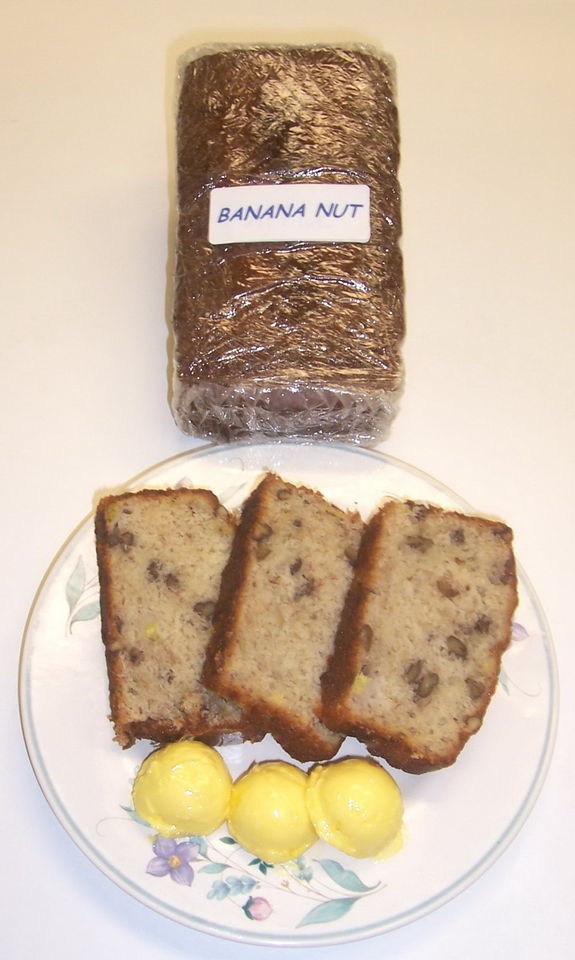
287	339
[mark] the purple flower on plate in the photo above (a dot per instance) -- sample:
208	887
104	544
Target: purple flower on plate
173	858
257	908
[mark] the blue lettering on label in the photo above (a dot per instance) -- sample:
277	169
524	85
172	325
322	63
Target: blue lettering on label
261	213
321	208
338	210
354	208
283	211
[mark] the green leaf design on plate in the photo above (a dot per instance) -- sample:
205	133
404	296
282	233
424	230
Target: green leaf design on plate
218	891
132	813
88	612
229	840
201	843
344	878
76	583
326	912
214	868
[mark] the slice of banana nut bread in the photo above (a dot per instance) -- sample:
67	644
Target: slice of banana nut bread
418	652
282	595
160	558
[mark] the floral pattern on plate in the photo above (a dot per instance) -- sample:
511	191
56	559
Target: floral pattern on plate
243	879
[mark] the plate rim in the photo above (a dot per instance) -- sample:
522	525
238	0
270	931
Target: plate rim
304	938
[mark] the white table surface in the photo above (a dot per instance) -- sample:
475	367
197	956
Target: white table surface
486	93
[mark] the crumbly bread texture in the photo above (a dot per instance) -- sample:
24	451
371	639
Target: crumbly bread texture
282	594
418	652
160	558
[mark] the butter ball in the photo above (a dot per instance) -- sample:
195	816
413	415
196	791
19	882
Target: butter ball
183	789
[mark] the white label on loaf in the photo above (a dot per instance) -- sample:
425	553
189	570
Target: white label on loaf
321	212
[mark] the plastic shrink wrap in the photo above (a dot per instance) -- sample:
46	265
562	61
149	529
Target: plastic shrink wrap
288	289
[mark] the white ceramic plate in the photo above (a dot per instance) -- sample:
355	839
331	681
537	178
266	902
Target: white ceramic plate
458	820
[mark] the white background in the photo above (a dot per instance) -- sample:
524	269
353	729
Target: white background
486	93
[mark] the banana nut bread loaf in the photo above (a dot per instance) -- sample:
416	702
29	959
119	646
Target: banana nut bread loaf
296	338
160	557
427	620
282	595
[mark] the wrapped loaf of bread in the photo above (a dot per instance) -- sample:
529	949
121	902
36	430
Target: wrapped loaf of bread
288	292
